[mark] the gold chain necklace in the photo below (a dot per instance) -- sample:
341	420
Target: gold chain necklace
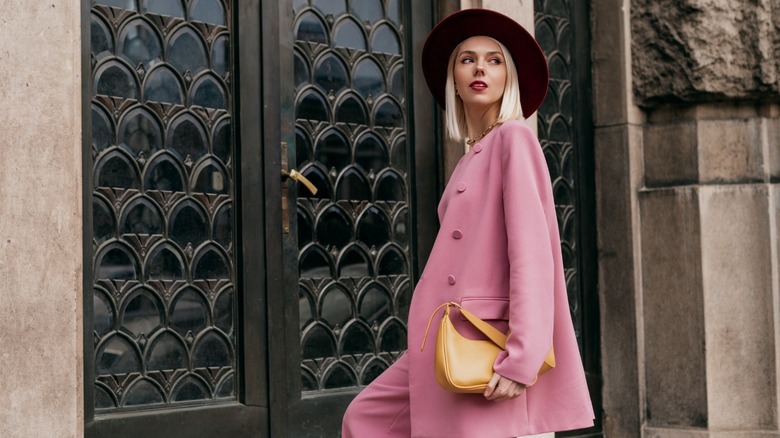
471	141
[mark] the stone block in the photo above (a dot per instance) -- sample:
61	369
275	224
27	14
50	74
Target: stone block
730	150
737	279
618	161
610	88
675	361
670	154
704	50
771	145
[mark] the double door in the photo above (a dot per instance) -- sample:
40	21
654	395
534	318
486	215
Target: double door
254	232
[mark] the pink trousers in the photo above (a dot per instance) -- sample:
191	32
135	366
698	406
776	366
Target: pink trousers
382	408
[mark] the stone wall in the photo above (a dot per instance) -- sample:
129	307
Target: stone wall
709	259
41	227
686	100
695	50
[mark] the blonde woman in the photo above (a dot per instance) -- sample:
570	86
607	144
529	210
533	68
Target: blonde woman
497	253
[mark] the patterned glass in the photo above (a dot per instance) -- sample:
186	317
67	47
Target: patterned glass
163	236
353	236
556	134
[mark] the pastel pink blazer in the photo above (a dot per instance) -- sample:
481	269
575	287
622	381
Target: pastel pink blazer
498	254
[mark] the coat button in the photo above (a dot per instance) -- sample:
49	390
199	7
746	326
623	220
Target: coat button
461	186
457	234
451	279
477	148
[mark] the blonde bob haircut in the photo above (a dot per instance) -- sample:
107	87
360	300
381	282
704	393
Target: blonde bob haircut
455	115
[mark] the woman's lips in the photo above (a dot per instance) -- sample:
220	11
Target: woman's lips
478	86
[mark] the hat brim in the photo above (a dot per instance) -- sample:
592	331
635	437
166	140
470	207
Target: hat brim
532	71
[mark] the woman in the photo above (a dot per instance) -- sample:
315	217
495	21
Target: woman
497	253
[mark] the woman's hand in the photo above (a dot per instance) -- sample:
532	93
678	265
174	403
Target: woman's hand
500	388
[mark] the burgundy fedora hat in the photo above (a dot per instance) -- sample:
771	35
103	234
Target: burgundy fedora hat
529	59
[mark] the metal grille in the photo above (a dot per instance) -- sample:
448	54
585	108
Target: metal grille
163	230
556	134
354	234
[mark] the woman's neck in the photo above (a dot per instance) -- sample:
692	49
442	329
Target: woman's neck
479	119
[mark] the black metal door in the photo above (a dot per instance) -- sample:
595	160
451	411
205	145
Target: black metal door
350	253
175	341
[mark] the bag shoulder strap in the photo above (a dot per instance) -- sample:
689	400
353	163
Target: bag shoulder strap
491	332
446	312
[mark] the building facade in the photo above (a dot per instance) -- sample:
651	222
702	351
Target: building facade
186	285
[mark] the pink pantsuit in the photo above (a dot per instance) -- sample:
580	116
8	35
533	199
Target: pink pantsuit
498	254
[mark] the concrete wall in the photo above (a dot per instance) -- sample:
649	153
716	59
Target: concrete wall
41	226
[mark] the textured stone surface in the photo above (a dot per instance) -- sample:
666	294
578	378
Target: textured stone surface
697	50
671	154
618	176
675	361
41	226
730	151
737	287
712	144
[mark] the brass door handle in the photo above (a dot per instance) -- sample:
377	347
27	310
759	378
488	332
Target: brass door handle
294	174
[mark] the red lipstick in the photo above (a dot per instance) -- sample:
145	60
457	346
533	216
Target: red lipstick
478	86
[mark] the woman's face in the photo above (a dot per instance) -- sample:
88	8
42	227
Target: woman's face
480	72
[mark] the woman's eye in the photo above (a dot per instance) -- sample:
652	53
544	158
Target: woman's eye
466	60
495	61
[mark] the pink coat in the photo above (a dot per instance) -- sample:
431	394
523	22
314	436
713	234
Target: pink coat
498	253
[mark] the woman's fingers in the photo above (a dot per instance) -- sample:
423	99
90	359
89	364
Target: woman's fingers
500	388
491	386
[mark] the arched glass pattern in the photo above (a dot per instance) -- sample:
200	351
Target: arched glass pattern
170	8
368	79
220	55
385	40
140	132
164	309
187	51
330	74
102	128
139	44
350	142
349	34
310	28
163	85
368	10
101	40
113	78
207	11
561	144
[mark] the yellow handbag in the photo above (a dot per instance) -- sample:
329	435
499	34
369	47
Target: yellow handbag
466	365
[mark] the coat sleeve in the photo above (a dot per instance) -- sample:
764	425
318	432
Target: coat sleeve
528	203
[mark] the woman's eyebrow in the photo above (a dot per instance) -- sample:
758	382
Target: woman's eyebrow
473	53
